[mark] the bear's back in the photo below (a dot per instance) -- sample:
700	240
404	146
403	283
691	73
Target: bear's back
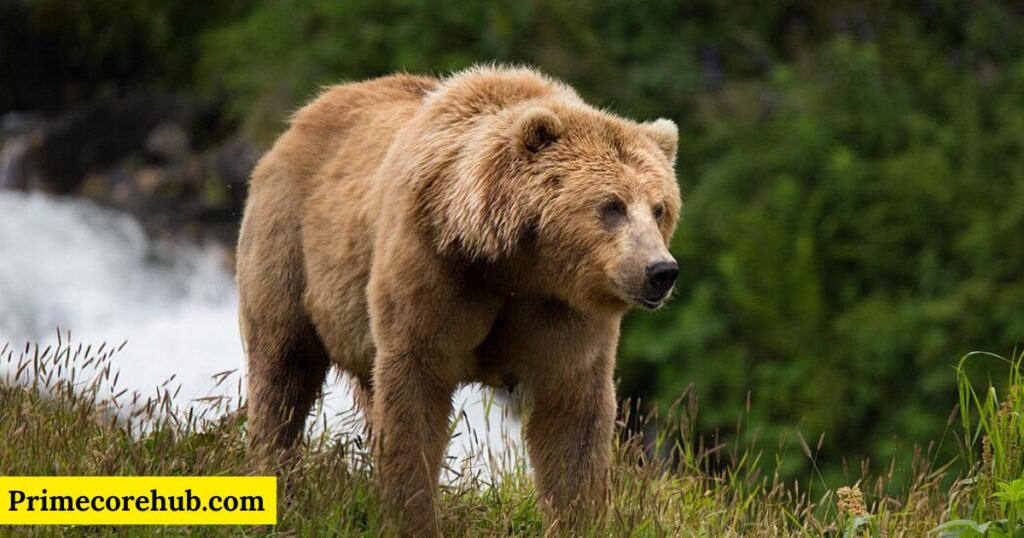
361	112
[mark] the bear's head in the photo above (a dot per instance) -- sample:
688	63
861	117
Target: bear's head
606	205
584	202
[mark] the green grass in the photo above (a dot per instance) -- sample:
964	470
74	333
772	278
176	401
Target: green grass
55	422
995	423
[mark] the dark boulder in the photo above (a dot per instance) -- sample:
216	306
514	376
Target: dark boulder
94	137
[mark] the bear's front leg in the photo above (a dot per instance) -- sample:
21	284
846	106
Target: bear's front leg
410	428
569	434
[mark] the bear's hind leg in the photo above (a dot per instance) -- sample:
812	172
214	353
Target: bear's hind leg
287	370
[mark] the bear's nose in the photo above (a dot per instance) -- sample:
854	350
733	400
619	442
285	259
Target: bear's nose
660	277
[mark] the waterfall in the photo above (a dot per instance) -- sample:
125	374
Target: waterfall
16	133
12	159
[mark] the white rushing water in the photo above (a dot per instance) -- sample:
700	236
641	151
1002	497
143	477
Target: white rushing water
12	157
69	264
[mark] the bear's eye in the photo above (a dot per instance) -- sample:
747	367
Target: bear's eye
659	211
612	211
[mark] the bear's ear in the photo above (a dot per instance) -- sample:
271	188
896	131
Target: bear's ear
537	128
665	134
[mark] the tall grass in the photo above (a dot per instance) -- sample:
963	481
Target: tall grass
992	422
61	413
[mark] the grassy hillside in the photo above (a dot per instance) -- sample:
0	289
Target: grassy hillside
55	422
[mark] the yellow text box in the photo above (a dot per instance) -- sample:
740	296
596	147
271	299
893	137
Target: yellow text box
138	500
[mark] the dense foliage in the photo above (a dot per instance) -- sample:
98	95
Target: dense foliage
853	172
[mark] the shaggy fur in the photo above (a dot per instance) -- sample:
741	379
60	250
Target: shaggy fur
422	233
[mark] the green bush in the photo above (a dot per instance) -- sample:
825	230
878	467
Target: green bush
845	236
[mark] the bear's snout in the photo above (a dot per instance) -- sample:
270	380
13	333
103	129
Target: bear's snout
660	278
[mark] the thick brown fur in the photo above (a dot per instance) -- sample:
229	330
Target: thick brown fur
423	233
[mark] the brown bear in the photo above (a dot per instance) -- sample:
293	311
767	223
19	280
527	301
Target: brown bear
422	233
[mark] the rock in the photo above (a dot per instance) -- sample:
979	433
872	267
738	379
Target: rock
97	136
18	123
233	160
94	187
168	142
149	179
